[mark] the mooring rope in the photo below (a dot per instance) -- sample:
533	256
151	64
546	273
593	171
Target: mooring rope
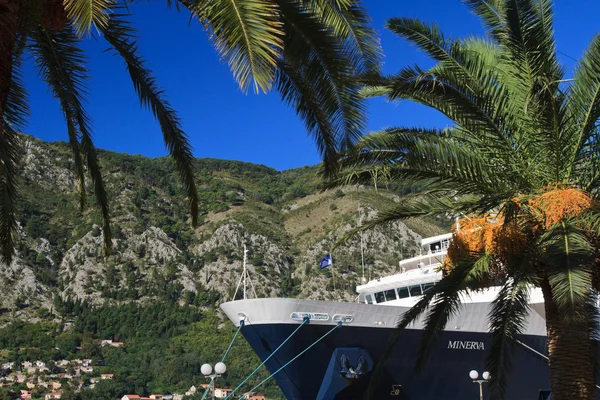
233	340
339	324
306	319
225	356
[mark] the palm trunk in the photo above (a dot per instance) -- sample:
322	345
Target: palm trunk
571	353
9	11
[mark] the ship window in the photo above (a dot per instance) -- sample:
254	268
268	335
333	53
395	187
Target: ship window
415	290
427	287
369	299
403	292
379	297
390	295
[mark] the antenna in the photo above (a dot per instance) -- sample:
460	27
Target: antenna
245	278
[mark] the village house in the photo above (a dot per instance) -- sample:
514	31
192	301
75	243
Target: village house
192	391
86	369
131	397
222	393
156	396
106	376
25	395
109	342
53	396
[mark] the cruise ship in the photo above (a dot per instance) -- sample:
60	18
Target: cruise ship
328	350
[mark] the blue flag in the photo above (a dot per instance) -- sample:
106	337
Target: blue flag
326	262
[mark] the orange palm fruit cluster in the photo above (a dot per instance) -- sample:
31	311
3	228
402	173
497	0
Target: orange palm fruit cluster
559	204
477	235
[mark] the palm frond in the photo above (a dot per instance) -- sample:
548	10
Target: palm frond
442	157
491	13
350	23
15	112
122	37
318	67
296	91
585	104
10	157
568	257
60	62
86	13
14	116
248	33
16	109
508	316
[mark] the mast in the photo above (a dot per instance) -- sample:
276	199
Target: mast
244	279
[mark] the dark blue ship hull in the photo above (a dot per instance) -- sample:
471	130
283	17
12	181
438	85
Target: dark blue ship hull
320	373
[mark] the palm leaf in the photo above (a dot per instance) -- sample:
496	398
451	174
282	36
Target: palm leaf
568	257
350	23
317	66
121	36
10	157
248	34
508	316
296	91
85	13
60	62
585	104
448	156
16	109
11	153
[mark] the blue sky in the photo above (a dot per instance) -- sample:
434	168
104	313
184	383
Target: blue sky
224	123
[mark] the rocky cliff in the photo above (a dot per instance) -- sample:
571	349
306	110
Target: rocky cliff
284	218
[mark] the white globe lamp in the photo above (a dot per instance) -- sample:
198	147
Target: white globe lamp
474	374
206	369
220	368
486	375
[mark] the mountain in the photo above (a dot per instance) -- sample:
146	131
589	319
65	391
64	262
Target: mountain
285	219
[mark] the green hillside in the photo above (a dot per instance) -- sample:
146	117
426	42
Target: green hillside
160	289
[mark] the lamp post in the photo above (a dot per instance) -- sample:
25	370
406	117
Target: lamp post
207	371
486	377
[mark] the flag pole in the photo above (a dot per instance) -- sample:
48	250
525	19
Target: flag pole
332	273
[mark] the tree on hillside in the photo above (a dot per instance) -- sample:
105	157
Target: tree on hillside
308	50
521	164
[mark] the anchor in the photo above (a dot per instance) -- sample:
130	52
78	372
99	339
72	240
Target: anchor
348	372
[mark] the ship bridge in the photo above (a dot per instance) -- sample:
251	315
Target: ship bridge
417	275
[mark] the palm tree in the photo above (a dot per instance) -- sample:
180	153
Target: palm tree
521	165
309	51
